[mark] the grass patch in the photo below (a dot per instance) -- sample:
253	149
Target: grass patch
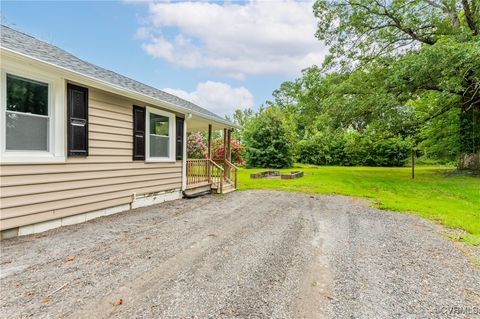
435	193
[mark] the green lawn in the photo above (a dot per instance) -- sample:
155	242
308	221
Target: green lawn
436	193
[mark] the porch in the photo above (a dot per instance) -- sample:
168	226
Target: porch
206	175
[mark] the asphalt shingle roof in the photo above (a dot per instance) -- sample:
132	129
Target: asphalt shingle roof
46	52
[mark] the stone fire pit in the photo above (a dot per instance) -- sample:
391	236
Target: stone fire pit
265	174
277	174
291	175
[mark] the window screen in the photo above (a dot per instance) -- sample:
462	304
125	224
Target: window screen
159	135
27	118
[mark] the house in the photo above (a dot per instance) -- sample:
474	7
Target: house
78	141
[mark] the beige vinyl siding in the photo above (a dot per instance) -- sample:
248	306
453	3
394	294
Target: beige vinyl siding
32	193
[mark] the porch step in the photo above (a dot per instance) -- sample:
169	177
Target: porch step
196	190
226	188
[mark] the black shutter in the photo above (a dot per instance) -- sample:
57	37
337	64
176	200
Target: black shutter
77	112
138	133
179	138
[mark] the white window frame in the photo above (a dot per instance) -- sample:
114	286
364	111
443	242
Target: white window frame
171	137
56	115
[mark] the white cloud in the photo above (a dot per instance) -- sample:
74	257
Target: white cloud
142	33
257	37
220	98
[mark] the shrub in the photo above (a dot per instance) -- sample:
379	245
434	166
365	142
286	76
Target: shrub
218	150
352	148
196	146
393	151
269	140
322	149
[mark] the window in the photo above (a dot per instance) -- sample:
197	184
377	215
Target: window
27	115
159	139
32	120
160	133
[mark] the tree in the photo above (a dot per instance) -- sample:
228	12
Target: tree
432	46
440	138
240	117
441	78
398	73
302	99
364	30
269	139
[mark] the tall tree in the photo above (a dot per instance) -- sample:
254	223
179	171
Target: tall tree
362	30
269	139
432	45
240	117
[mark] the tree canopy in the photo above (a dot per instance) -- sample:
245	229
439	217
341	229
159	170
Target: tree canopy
399	74
360	31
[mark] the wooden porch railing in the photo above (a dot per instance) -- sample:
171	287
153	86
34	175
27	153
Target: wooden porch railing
204	171
197	171
231	173
216	174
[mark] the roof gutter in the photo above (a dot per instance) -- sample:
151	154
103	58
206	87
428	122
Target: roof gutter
101	84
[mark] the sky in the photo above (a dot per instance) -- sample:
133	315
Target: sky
219	55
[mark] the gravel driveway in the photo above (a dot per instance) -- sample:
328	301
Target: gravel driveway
249	254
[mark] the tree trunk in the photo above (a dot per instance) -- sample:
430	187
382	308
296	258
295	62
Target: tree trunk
469	161
470	139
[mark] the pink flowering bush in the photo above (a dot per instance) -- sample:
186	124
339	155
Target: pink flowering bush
196	146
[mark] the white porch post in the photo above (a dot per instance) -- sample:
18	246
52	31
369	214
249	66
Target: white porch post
209	153
184	157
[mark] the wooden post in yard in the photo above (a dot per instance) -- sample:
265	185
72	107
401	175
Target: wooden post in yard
209	153
413	163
